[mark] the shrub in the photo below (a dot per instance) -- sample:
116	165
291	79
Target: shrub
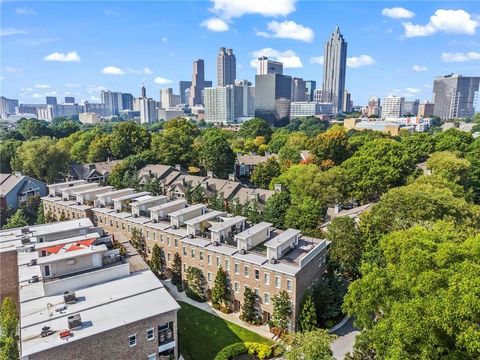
262	351
231	351
329	324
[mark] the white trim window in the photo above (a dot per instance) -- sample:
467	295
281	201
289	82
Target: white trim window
152	357
150	334
266	298
132	340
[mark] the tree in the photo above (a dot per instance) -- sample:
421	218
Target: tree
30	128
196	284
124	174
221	292
16	220
331	145
249	307
425	298
215	153
312	345
158	263
128	138
250	129
138	242
264	173
473	155
30	208
42	159
282	310
276	209
177	271
346	247
289	154
419	145
7	153
64	128
9	349
99	149
305	214
327	295
453	140
308	318
279	138
8	330
449	166
359	138
174	145
41	217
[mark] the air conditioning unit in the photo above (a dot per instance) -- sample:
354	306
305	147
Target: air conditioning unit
135	215
243	251
155	220
74	322
69	297
174	227
273	260
190	236
33	262
34	279
215	243
46	331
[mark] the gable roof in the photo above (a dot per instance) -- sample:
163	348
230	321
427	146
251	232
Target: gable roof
159	170
84	171
253	159
10	181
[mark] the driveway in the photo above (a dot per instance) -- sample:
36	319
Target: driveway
345	339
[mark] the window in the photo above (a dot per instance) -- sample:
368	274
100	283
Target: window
218	261
128	227
266	278
289	285
168	240
257	274
152	357
236	287
193	253
236	267
227	265
278	282
47	270
176	242
116	224
200	255
123	226
245	271
111	222
184	267
209	277
209	259
257	292
148	235
132	340
184	251
154	236
168	256
161	238
266	298
150	334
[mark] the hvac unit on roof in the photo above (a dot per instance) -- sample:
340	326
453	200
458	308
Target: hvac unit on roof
69	297
74	322
190	236
34	279
273	260
33	262
25	230
243	251
46	331
215	243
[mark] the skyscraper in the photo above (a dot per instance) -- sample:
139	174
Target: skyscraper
266	66
127	101
310	85
51	100
373	107
453	96
148	111
220	104
347	102
411	107
168	98
392	106
272	98
144	92
299	89
113	100
69	100
334	68
226	67
198	79
183	86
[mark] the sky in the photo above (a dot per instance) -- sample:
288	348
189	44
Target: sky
61	48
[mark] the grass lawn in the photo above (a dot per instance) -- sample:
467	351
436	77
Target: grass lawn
203	335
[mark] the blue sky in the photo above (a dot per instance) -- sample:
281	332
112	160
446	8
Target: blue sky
78	48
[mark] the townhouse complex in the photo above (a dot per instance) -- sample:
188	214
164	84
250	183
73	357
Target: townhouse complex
257	256
77	298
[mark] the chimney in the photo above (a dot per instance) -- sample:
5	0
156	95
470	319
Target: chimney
178	167
91	166
204	184
254	196
338	208
210	174
231	177
278	188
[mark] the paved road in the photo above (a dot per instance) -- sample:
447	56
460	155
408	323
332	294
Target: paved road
345	340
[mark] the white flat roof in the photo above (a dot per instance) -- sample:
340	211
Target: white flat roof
188	209
82	186
71	254
255	229
251	258
147	199
207	216
168	204
282	268
282	238
223	249
115	192
131	196
227	222
93	190
135	297
93	235
201	242
66	183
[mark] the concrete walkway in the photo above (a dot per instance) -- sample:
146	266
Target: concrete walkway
345	339
262	330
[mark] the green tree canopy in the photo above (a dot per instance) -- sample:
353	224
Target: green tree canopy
7	153
128	138
312	345
308	317
332	146
215	153
449	166
279	138
418	145
264	173
221	292
250	129
99	149
453	140
30	128
276	209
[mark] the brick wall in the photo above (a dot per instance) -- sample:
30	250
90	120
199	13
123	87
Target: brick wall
9	276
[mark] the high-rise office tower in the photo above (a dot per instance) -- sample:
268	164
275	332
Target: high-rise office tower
411	107
113	100
392	106
198	82
168	98
299	89
220	104
310	85
226	67
347	102
7	106
454	95
272	98
51	100
334	68
266	66
244	98
183	86
426	109
144	92
69	100
148	110
127	101
373	107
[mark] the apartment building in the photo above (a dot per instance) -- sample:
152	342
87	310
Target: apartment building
79	299
258	256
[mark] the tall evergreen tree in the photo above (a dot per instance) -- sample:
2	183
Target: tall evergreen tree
249	310
308	316
158	263
221	292
196	284
177	271
282	309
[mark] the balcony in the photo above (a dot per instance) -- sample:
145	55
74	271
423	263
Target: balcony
166	338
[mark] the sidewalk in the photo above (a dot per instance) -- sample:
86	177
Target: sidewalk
262	330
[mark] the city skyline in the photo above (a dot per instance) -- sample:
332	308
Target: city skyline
385	48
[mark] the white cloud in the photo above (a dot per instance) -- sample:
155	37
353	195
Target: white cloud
161	81
11	31
25	11
228	9
288	30
448	21
13	70
112	70
95	89
71	56
357	61
288	57
72	85
215	24
412	91
42	86
37	96
460	57
398	13
317	60
147	71
419	68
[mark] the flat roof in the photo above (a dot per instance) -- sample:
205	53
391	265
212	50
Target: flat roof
282	268
197	241
227	222
138	296
251	258
71	254
204	217
140	219
66	183
223	249
282	238
131	196
82	186
188	209
115	192
147	199
168	204
101	188
255	229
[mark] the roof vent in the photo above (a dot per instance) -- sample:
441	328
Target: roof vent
273	260
34	279
25	230
215	243
74	322
190	236
243	251
69	297
174	227
33	262
46	331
